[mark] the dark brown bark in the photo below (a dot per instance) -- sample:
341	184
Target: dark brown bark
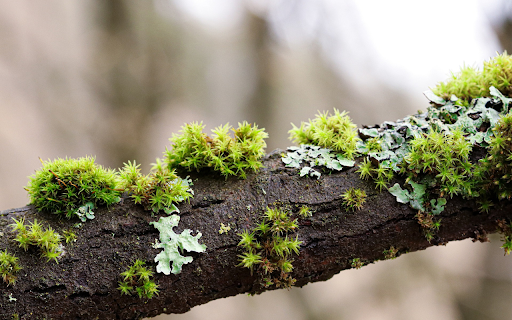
83	285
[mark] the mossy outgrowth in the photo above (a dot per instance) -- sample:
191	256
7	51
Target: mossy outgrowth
336	132
158	190
63	185
138	279
496	169
35	234
381	174
9	267
231	156
470	83
354	198
357	263
305	212
269	247
445	156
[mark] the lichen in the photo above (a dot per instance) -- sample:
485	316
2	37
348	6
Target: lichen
315	157
172	243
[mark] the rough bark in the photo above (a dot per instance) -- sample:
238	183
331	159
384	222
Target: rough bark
83	285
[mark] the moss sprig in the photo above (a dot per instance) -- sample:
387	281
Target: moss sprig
138	279
336	132
9	267
269	248
236	155
495	170
63	185
159	190
446	157
381	174
34	234
354	198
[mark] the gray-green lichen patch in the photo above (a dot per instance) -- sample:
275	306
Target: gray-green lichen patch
172	243
308	156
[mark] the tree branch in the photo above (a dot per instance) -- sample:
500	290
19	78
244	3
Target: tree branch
83	285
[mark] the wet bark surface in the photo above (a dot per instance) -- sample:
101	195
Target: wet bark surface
83	285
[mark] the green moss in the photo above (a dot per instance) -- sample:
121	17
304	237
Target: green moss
63	185
442	155
35	234
336	132
390	253
354	198
269	248
305	212
381	174
224	228
357	263
231	156
9	267
496	169
138	279
69	236
470	83
158	190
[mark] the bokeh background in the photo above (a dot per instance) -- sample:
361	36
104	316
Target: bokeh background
116	78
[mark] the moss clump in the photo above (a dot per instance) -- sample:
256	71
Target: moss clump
158	190
444	155
34	234
231	156
357	263
63	185
305	212
471	83
496	168
138	279
336	132
381	174
354	198
9	267
269	248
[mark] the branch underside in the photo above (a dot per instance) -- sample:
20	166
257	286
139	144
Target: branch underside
83	285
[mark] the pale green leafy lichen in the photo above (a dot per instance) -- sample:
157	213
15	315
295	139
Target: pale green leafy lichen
314	156
172	243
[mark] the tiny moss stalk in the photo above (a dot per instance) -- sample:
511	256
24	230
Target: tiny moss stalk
138	279
268	249
47	240
9	267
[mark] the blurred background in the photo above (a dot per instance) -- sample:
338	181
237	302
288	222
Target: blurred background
116	78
